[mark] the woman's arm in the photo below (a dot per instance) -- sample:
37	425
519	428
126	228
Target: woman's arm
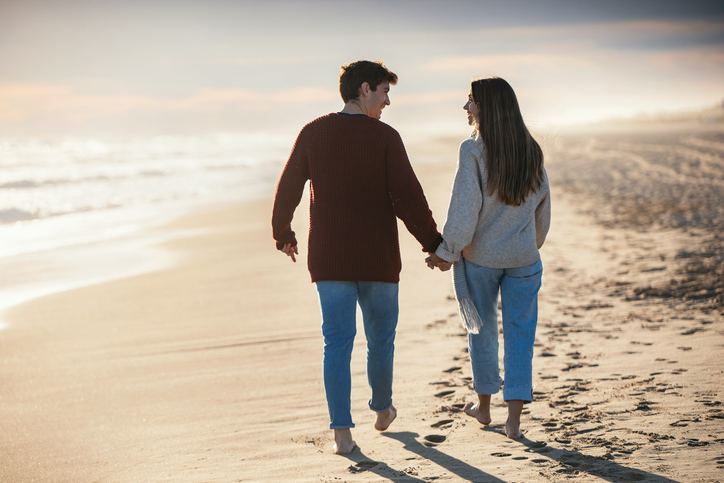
466	200
543	215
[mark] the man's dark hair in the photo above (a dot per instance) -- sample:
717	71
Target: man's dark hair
357	73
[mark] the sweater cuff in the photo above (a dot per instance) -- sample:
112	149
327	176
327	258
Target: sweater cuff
446	255
430	247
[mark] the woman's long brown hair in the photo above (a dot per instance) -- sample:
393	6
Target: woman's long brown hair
514	160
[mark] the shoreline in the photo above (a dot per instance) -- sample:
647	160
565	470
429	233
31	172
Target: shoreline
94	248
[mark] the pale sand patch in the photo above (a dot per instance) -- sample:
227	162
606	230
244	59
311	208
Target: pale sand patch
211	371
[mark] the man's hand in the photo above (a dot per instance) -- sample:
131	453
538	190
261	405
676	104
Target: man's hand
434	261
290	251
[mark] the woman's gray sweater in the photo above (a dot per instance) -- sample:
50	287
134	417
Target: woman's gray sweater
485	230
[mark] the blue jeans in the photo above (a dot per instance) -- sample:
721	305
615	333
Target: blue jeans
519	300
338	302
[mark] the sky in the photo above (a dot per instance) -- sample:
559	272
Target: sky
104	68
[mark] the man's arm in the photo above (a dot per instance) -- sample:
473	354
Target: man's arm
408	200
288	194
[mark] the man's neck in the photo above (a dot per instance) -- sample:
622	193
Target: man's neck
352	107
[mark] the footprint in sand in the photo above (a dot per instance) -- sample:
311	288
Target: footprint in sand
435	438
444	393
453	369
362	466
500	455
441	423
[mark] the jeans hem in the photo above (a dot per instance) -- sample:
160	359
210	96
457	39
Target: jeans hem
381	410
487	388
519	393
341	426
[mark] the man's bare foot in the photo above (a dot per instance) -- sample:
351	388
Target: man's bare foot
513	431
385	418
474	410
343	441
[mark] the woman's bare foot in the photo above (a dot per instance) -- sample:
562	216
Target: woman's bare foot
385	418
513	431
343	442
481	410
474	410
512	425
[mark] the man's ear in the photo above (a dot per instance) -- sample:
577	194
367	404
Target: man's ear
364	89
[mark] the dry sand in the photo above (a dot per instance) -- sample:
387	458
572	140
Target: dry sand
210	371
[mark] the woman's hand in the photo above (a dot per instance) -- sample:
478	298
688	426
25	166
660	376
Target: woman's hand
434	261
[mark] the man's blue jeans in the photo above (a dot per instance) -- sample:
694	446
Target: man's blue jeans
519	300
338	302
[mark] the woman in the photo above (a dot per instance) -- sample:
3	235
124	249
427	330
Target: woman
498	218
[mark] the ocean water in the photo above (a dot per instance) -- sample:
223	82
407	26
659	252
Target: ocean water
79	211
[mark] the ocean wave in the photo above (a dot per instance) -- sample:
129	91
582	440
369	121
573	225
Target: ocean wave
23	183
13	215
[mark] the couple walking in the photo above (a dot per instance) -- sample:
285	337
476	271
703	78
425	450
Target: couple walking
361	181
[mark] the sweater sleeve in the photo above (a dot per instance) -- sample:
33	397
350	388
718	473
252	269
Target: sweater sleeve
543	217
408	200
466	201
289	191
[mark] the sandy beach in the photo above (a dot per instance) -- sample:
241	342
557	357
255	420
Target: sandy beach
211	370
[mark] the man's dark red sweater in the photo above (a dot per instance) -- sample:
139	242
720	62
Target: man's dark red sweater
361	180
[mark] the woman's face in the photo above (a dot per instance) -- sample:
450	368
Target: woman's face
472	109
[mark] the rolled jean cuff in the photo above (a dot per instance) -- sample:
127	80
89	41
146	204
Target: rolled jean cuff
487	388
341	426
522	393
379	410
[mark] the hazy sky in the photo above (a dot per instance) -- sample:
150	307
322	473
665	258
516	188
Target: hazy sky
88	68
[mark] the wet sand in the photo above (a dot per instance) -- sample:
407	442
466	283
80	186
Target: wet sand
211	370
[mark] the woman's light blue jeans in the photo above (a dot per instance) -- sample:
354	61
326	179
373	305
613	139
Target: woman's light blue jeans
379	305
519	300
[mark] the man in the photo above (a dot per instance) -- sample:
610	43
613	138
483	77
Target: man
360	181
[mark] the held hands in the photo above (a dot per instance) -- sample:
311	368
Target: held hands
290	251
434	261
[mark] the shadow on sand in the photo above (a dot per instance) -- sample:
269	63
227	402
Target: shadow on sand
566	463
465	471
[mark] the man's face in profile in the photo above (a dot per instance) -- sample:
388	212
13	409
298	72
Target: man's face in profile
378	99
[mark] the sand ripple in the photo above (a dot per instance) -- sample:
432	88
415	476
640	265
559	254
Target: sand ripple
653	181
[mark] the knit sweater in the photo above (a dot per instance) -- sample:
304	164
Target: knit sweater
360	181
483	229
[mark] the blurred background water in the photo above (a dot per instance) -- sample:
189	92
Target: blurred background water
80	211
